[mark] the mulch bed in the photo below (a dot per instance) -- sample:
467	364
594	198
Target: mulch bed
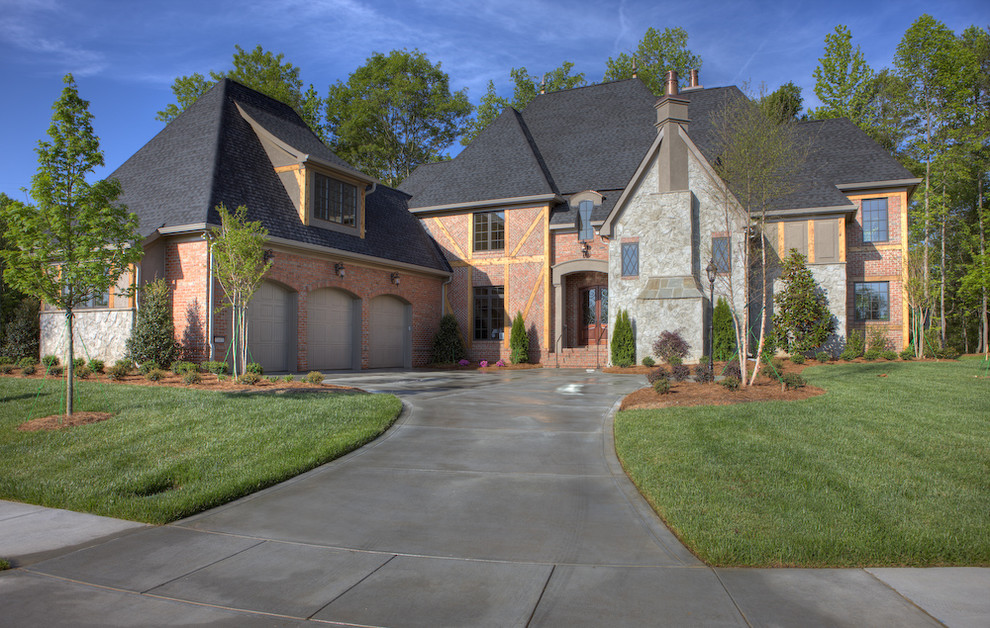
60	421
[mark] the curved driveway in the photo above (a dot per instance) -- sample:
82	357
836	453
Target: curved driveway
496	500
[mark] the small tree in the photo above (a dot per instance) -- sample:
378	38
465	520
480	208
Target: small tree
519	341
723	332
20	339
240	263
802	320
78	240
153	336
623	343
447	344
669	345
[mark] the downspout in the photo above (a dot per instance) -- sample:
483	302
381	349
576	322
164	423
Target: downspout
443	294
209	296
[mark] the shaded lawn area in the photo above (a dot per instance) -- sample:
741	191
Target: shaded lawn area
171	452
880	470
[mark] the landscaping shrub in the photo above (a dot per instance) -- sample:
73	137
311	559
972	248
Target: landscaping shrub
801	319
148	366
54	371
249	378
118	371
217	368
876	338
661	386
657	373
96	366
855	346
703	374
723	332
181	367
154	375
888	354
82	372
78	363
519	341
648	361
872	353
273	378
623	343
22	332
675	360
28	370
26	361
907	355
948	353
288	378
792	380
6	359
822	357
313	377
190	377
153	336
797	358
447	343
680	372
731	382
254	367
6	368
769	372
732	370
49	361
670	345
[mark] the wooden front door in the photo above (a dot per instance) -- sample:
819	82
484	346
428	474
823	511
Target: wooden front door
594	302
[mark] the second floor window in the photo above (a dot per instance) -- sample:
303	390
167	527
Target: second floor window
585	230
489	231
720	254
630	259
875	220
335	201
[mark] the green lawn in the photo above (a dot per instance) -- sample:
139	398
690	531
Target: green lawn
878	471
171	452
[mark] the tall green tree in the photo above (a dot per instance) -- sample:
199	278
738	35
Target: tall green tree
240	262
657	53
801	319
488	109
843	79
527	86
77	241
783	105
394	113
9	298
260	70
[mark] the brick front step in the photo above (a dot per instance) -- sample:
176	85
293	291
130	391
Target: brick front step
579	357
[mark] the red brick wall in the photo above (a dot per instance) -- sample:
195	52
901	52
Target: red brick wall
566	246
186	272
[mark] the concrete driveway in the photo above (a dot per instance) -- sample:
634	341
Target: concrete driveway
495	501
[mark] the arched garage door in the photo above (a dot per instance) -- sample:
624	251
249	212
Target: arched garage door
271	328
389	338
330	329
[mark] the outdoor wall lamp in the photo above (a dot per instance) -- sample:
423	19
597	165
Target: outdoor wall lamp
711	269
395	278
338	269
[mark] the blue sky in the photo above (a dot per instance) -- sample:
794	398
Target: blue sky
125	53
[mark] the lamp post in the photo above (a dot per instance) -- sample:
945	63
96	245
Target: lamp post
711	269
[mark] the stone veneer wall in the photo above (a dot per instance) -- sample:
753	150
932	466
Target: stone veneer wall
100	334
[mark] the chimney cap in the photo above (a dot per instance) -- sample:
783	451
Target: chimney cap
671	83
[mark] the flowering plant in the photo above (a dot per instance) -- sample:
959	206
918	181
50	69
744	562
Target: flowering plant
463	362
500	363
483	363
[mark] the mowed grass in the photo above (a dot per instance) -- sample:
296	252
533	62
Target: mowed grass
171	452
888	470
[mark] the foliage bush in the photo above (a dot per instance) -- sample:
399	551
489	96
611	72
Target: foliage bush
801	320
190	377
217	368
703	374
855	346
314	377
49	361
448	346
670	345
82	372
28	369
907	355
769	372
792	380
118	371
288	378
153	335
797	358
126	364
26	361
657	373
78	363
6	368
181	368
876	338
6	359
822	357
661	386
22	331
731	382
623	343
149	365
732	369
55	371
254	367
250	378
675	360
648	361
723	332
154	375
272	378
888	354
519	341
948	353
96	366
872	353
680	372
932	341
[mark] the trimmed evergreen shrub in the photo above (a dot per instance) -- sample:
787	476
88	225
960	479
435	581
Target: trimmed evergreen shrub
153	336
217	368
254	367
675	360
792	380
96	366
6	368
55	371
190	377
872	353
731	382
82	372
49	361
447	343
22	332
313	377
670	345
661	386
519	341
249	378
623	343
154	375
908	354
118	371
28	369
723	332
6	359
78	363
648	361
26	361
822	357
797	358
888	354
148	366
181	367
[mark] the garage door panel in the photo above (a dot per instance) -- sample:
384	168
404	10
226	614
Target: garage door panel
270	326
389	335
330	329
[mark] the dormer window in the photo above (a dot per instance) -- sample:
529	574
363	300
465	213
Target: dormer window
335	201
585	230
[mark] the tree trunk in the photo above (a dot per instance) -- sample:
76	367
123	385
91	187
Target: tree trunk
69	366
984	324
763	308
941	296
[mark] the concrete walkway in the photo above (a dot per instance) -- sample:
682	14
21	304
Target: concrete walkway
495	501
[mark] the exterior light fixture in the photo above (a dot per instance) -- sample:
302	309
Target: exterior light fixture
395	278
712	270
338	269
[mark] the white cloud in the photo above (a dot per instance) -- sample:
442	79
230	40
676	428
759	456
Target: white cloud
23	27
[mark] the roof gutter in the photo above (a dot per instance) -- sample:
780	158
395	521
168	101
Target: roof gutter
878	184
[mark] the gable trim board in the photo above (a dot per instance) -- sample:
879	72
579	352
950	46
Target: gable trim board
497	202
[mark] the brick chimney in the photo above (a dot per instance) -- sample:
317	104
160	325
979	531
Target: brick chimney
672	117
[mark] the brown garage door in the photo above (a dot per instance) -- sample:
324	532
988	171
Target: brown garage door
270	325
389	335
331	327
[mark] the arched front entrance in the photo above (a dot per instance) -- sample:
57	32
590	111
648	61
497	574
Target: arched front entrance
580	303
389	333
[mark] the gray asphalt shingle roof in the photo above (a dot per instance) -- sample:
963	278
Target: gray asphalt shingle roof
211	155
